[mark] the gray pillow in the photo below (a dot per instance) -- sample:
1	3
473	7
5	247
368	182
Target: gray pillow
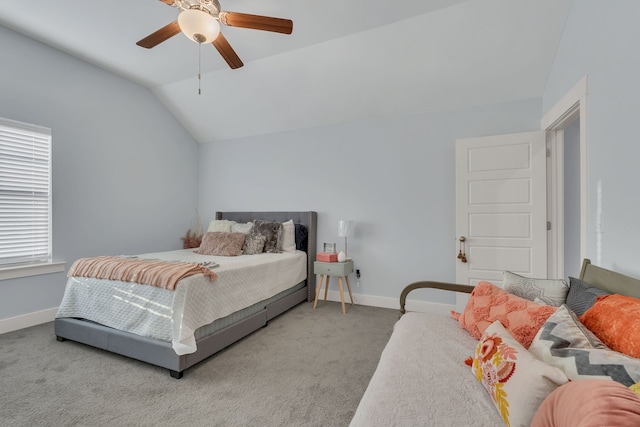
253	244
272	231
550	291
582	295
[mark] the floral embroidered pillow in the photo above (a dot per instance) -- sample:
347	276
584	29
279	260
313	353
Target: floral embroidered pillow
516	380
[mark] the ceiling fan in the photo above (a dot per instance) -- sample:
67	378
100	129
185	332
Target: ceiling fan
200	21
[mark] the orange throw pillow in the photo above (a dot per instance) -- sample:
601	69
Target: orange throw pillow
488	303
615	319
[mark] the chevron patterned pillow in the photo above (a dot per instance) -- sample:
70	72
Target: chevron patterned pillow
567	344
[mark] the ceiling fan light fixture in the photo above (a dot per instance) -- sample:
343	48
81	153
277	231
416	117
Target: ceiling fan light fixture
198	25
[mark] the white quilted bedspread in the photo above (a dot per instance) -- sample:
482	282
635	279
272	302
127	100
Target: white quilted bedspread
175	315
422	380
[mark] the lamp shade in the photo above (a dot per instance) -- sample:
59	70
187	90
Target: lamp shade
198	25
345	228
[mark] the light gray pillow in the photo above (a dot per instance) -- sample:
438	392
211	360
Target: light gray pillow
253	244
550	291
241	227
272	231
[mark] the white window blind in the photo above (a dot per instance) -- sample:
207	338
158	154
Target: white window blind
25	193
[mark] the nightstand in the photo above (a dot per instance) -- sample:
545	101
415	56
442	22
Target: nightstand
327	269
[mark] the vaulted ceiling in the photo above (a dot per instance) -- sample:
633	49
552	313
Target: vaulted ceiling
345	60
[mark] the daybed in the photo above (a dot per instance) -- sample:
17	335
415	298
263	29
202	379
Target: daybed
175	329
422	378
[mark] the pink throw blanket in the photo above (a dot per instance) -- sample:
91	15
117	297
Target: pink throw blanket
162	274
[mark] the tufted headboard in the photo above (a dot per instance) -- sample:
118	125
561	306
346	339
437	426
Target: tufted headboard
307	218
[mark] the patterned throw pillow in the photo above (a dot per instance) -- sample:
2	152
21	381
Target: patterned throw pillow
488	303
516	381
550	291
567	344
221	244
615	319
272	231
582	295
253	244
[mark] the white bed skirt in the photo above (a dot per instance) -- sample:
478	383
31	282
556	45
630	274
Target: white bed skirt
175	315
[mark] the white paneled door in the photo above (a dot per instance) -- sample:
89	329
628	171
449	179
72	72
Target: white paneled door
501	207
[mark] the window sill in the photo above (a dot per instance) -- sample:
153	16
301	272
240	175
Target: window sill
31	270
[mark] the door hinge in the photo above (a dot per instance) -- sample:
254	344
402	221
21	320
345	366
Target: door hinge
548	225
548	152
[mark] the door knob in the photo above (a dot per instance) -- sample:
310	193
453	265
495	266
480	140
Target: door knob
462	256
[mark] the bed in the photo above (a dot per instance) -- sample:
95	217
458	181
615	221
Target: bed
184	346
421	379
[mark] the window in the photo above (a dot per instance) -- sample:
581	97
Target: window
25	194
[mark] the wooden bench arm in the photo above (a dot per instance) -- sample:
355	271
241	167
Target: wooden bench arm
433	285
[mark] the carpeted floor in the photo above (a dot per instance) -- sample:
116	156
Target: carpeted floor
306	368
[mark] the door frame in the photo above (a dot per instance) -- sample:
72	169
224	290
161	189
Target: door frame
571	106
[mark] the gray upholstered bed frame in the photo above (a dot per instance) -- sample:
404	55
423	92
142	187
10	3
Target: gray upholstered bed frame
602	278
161	353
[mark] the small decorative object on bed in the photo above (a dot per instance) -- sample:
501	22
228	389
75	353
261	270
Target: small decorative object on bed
177	326
422	377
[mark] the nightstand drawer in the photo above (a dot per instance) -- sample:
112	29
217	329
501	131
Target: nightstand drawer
333	268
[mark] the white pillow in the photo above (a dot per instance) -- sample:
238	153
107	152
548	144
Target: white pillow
238	227
288	236
550	291
516	380
220	225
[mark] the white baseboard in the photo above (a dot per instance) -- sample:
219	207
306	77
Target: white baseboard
393	303
48	315
26	320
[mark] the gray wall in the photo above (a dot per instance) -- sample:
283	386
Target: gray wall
601	40
393	176
124	170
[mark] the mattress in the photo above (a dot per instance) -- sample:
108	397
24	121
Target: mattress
174	316
422	380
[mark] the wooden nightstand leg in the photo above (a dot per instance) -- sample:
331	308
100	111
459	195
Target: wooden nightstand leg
315	303
326	287
349	288
341	294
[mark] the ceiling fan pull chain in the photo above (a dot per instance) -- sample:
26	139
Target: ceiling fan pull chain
199	59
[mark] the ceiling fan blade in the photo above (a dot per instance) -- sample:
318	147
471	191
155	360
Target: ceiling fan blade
159	36
227	52
257	22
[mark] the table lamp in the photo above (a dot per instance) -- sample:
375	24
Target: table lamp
345	229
